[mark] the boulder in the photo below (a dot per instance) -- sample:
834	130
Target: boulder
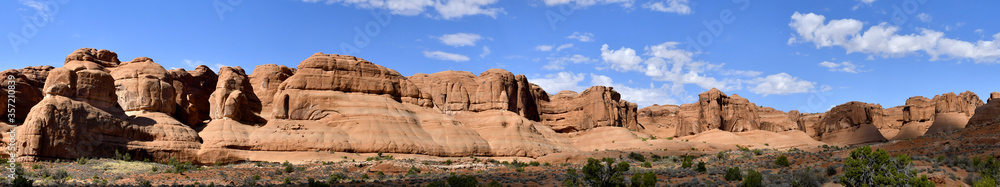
143	85
90	58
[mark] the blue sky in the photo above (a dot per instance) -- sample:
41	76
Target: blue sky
790	55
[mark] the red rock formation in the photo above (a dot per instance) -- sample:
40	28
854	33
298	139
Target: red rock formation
143	85
193	89
494	89
265	80
660	120
852	123
597	106
28	84
988	113
716	110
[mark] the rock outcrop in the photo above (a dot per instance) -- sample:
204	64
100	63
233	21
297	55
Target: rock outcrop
193	89
28	84
596	106
716	110
988	113
660	120
265	80
143	85
852	123
494	89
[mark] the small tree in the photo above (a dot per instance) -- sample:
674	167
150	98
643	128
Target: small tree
644	179
607	174
753	179
782	161
686	163
733	174
865	167
572	178
701	167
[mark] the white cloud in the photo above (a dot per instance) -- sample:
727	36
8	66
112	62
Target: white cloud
554	83
564	46
486	51
668	63
459	8
583	37
745	73
641	96
439	55
924	17
847	67
460	39
587	3
556	63
882	40
867	1
543	47
670	6
623	59
781	84
447	9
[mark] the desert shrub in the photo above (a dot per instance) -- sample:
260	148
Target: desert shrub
179	167
534	163
753	179
637	157
985	182
831	170
686	163
808	177
125	157
310	182
380	174
288	180
647	164
644	179
721	155
782	161
462	180
494	184
365	176
656	157
607	174
758	152
413	171
733	174
866	167
701	167
572	178
144	182
81	161
448	162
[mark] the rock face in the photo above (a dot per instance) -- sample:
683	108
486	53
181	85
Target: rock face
716	110
28	84
143	85
265	80
660	120
234	98
597	106
80	116
495	89
852	123
988	113
193	89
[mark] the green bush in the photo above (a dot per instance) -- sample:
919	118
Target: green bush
782	161
336	177
607	174
644	179
179	167
572	178
637	157
734	174
413	171
985	182
831	170
81	161
686	163
462	180
534	163
647	164
753	179
701	167
866	167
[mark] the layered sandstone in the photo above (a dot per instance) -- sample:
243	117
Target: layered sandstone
28	84
716	110
596	106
